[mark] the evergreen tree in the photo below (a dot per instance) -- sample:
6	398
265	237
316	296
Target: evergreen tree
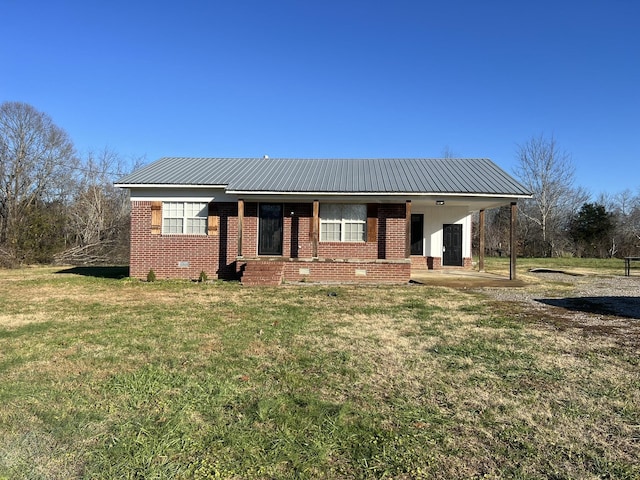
591	230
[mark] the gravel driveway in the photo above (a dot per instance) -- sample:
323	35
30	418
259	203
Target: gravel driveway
600	304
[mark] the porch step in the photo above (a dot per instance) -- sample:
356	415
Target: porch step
263	273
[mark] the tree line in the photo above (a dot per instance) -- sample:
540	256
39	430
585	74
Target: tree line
57	206
60	207
561	219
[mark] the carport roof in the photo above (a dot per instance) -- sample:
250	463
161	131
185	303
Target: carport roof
330	176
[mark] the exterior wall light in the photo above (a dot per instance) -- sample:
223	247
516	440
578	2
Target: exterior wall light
439	202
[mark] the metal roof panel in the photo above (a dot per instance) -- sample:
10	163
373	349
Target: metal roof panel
282	175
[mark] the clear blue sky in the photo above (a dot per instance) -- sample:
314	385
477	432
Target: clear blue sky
335	78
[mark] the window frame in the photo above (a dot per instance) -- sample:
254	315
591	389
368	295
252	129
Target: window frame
343	222
187	217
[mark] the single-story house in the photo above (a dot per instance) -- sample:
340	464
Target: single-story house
268	220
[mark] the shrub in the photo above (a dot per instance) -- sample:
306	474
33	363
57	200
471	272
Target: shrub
151	276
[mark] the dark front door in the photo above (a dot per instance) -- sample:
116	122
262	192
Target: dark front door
270	229
452	245
417	234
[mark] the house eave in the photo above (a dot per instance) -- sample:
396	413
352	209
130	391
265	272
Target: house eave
383	194
166	185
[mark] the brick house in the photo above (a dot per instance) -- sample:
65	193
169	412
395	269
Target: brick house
264	220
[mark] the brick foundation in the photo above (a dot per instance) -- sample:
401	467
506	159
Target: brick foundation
349	271
324	270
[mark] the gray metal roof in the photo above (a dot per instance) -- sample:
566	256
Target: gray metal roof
288	175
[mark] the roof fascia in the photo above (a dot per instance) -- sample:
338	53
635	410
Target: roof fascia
383	194
164	185
322	194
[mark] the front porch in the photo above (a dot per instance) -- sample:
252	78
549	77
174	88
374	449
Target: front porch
278	270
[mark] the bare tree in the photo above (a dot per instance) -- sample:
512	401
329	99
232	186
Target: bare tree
98	217
548	173
626	209
35	156
498	221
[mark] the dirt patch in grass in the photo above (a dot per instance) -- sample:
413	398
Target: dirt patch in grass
623	331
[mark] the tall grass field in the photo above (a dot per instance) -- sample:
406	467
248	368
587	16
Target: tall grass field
103	377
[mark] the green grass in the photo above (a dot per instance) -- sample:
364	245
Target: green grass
112	378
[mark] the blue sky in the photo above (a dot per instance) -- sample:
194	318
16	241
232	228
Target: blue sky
335	78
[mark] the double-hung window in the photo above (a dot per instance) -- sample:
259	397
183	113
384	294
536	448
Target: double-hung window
342	222
184	218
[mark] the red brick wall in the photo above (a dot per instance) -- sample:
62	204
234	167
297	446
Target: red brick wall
249	230
344	250
213	254
300	245
376	272
391	231
434	263
418	262
216	254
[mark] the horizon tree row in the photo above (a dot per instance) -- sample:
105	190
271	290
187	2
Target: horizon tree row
55	205
560	220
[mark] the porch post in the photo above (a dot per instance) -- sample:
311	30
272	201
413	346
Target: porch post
481	242
315	228
407	230
512	241
240	224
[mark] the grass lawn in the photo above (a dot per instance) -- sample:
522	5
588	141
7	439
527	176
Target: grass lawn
585	266
115	378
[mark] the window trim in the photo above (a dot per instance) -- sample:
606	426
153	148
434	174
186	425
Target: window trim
202	213
343	222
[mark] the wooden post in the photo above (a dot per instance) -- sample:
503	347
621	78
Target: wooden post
407	230
512	241
315	228
481	242
240	224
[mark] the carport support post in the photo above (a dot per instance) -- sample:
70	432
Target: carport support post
481	242
240	224
512	241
